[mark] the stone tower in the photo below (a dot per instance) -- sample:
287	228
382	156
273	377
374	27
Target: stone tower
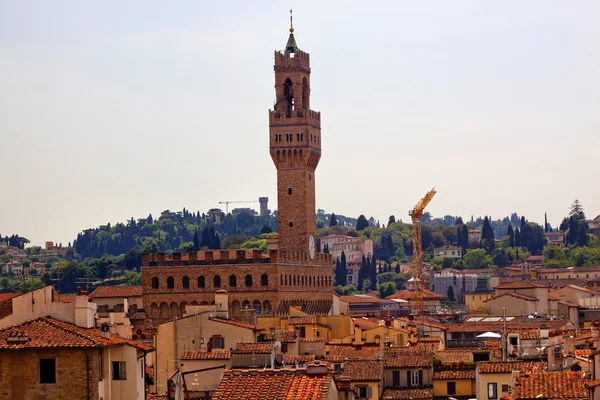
295	147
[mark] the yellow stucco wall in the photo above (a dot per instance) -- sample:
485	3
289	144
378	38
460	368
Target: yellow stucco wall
475	301
464	387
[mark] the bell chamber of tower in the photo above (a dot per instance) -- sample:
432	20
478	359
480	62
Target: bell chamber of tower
295	147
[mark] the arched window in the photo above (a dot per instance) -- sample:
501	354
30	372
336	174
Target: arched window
201	282
170	282
264	280
232	281
290	191
248	280
185	282
302	280
155	283
281	279
217	281
305	94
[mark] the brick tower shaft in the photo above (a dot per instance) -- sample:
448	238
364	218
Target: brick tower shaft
295	147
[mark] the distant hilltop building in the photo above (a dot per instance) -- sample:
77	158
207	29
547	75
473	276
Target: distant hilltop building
293	273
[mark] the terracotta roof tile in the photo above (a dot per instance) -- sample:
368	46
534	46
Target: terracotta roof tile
410	295
550	385
206	355
283	337
408	358
272	385
365	323
253	348
235	323
497	326
504	367
455	374
449	356
302	359
362	370
582	353
362	299
512	294
312	340
8	296
520	284
406	394
342	352
117	291
51	333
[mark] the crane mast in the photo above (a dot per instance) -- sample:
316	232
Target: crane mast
417	257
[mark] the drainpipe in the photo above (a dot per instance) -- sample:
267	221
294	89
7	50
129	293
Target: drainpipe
87	370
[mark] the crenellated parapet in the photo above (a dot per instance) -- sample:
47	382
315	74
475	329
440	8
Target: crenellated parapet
287	60
228	257
295	117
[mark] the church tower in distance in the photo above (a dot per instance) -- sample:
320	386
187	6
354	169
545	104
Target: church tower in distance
295	147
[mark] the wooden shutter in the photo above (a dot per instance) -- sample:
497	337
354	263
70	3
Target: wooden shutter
420	377
369	390
408	376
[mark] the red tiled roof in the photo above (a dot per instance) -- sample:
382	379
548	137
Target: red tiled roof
342	352
410	295
550	385
283	337
512	294
406	394
234	323
450	374
253	348
497	326
8	296
302	359
362	370
43	333
365	323
312	340
117	291
361	299
582	353
206	355
64	298
449	356
404	357
272	385
505	367
520	285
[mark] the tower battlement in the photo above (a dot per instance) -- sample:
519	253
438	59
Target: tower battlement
220	257
292	58
295	117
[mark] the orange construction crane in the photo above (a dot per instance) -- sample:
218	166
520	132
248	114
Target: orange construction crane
416	214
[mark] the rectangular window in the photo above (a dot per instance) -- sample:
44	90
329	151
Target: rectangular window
47	370
492	391
217	342
119	371
505	390
451	387
302	332
363	392
396	378
414	377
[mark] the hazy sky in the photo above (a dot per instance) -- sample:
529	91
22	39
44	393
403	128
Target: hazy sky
114	109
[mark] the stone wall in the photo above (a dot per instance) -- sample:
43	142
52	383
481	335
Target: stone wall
20	375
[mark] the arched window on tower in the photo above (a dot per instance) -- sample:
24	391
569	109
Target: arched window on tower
248	280
232	281
288	94
201	282
170	282
305	94
185	282
217	281
155	283
264	280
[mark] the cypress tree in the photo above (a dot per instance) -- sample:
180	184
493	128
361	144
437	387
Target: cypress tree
361	222
196	241
374	271
511	236
363	272
333	220
545	222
